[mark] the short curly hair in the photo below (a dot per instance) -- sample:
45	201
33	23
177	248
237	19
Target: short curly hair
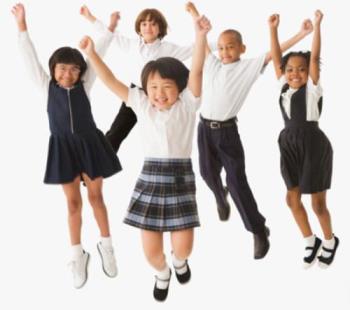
304	54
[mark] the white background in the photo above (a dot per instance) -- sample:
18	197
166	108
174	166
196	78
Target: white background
33	224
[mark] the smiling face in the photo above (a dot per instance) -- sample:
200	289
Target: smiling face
66	75
230	48
162	92
296	71
149	30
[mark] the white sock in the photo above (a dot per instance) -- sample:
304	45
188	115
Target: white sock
106	242
328	244
310	242
77	251
180	265
163	275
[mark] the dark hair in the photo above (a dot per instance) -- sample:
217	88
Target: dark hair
235	33
67	55
306	55
152	15
168	68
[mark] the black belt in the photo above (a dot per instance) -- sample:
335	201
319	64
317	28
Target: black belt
218	124
302	125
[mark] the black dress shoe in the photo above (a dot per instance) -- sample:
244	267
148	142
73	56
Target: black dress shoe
185	277
158	293
261	243
225	210
309	260
323	261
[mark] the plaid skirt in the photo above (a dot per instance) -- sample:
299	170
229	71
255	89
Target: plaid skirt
164	196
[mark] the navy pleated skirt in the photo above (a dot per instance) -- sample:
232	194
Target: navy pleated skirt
164	196
306	158
70	155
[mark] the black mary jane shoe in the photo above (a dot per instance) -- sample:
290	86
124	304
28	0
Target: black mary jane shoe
309	260
325	262
184	277
161	294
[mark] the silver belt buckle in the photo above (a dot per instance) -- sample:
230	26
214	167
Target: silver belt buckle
214	125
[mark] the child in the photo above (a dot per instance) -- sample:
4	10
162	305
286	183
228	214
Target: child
164	196
226	84
77	149
306	153
152	27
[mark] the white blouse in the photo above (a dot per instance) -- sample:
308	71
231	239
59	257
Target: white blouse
313	95
166	133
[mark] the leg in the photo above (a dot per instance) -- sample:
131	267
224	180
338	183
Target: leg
121	126
232	156
320	208
182	243
152	242
210	169
80	258
296	206
74	202
94	188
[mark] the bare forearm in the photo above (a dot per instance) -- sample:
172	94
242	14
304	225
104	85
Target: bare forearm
107	77
291	42
275	53
22	26
316	44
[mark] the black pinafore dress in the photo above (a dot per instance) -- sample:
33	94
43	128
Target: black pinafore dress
306	153
76	145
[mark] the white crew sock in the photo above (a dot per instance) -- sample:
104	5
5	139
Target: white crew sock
310	242
77	251
106	242
163	274
180	265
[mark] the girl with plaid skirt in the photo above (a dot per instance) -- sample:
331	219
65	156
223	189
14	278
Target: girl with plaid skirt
164	196
306	153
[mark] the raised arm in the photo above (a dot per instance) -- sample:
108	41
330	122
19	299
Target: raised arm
27	50
102	71
305	29
191	8
275	53
202	26
314	67
114	19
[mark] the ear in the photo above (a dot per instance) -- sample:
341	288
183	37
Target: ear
243	48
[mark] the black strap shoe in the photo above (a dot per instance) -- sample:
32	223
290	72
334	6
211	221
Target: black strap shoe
225	210
158	293
261	243
309	260
184	277
325	262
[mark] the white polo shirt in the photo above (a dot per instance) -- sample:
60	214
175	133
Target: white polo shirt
226	86
313	95
141	52
167	133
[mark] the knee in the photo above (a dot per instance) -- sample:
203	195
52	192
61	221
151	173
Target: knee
155	257
74	206
292	202
96	199
319	207
182	252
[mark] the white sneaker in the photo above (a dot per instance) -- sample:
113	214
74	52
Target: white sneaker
80	270
109	264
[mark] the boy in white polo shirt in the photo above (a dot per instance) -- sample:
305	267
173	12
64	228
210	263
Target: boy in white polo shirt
226	83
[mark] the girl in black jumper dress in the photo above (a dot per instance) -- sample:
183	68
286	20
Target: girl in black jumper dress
78	150
306	153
